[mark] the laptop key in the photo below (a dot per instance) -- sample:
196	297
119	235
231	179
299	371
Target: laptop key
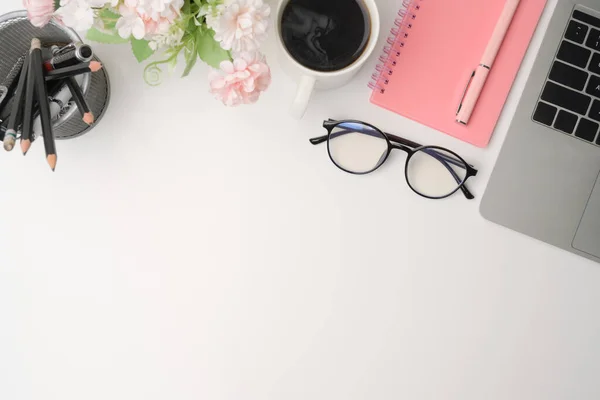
595	111
588	19
593	86
568	76
593	41
595	63
576	32
545	113
587	130
565	121
574	54
566	98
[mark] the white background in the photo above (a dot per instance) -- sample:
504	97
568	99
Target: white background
184	250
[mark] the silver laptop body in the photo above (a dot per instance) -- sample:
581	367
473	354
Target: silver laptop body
546	183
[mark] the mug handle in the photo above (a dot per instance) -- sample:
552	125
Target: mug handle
305	89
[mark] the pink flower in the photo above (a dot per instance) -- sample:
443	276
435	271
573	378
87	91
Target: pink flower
242	25
130	23
40	12
241	81
147	19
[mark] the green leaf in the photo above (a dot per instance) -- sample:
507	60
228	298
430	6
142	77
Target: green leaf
191	27
109	18
186	7
209	50
56	4
110	37
141	49
191	56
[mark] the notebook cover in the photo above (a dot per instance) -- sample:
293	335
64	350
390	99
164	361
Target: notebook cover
445	44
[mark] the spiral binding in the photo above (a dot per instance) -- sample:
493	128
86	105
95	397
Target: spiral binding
395	42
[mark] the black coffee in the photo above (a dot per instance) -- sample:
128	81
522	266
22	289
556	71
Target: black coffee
325	35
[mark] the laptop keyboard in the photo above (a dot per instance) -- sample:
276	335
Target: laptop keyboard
570	101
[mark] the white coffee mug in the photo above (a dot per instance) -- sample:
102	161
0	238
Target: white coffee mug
309	78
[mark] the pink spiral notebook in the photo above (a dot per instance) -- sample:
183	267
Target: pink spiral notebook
434	48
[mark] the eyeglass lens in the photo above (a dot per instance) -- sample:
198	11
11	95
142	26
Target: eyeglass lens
435	172
357	148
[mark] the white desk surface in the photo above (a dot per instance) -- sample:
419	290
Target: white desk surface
184	250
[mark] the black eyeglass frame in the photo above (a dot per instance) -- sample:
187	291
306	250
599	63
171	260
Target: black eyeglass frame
396	142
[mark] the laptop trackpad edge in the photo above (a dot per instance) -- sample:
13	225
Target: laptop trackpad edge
587	238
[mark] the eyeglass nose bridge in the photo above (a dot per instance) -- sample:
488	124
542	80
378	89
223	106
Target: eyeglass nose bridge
402	147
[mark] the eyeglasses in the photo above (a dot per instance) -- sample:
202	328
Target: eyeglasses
360	148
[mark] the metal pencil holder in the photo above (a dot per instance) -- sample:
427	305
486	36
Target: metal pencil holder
16	33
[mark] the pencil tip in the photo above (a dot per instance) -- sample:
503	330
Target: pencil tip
88	118
25	145
52	161
95	66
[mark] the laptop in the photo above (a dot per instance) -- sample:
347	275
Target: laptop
546	183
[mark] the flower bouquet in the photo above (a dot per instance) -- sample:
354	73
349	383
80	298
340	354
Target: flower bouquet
225	34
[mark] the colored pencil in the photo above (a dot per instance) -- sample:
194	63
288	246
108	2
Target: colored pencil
9	86
42	95
10	136
74	70
28	107
55	91
79	99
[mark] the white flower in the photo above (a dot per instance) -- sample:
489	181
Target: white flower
76	14
102	3
211	11
154	8
242	25
157	9
174	10
171	38
151	20
130	23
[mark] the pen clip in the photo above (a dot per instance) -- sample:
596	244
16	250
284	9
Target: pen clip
462	99
61	50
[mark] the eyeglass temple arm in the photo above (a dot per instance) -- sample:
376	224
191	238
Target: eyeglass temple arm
320	139
394	138
443	159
